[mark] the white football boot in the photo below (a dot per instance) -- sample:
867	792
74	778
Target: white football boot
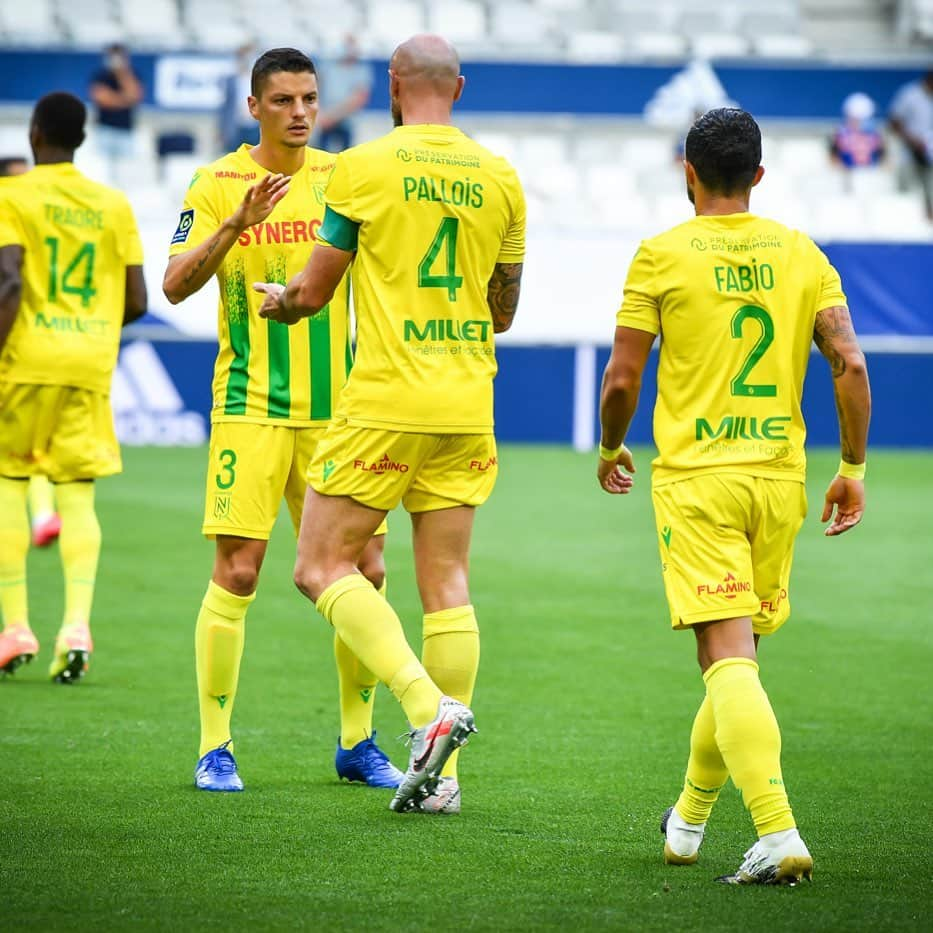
445	799
431	746
681	839
776	858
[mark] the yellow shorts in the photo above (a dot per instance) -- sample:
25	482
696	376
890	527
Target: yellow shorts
251	468
727	543
62	432
425	472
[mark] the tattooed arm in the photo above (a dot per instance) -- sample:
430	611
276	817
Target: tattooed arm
835	338
189	271
502	294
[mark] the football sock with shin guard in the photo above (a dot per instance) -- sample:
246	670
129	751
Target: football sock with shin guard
706	771
79	546
357	689
219	638
749	740
14	546
369	627
450	655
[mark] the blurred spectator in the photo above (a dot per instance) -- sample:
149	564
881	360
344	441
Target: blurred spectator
237	125
345	84
13	165
116	92
911	119
857	143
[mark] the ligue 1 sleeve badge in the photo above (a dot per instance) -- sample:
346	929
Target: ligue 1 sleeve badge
185	223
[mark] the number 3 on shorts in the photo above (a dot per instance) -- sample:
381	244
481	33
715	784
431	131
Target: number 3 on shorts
227	475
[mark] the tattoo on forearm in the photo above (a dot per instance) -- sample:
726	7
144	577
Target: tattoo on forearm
832	333
502	294
848	453
211	246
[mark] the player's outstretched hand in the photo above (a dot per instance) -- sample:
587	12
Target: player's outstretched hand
610	475
259	200
848	497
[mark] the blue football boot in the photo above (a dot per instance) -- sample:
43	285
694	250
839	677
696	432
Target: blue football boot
367	763
216	770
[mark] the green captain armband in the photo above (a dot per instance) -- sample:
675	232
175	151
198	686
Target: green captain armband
339	231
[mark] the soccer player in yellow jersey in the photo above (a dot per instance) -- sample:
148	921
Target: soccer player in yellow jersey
70	278
434	225
46	522
253	214
737	301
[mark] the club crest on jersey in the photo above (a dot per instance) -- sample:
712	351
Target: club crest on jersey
185	223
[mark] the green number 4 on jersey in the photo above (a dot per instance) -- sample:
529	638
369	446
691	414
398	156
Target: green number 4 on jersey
446	239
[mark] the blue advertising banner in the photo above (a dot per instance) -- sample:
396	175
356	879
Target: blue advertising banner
192	81
162	395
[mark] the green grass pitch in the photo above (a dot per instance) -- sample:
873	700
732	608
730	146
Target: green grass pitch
584	705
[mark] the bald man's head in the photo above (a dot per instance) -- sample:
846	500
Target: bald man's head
424	68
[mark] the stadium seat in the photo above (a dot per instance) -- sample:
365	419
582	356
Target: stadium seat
710	45
839	218
551	180
782	46
628	215
330	23
663	179
647	152
463	22
870	182
90	23
898	217
596	144
31	23
153	23
804	155
602	47
523	28
504	144
609	181
535	148
215	25
387	22
826	181
669	210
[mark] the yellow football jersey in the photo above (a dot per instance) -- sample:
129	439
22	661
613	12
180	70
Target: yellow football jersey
78	237
429	213
734	299
267	372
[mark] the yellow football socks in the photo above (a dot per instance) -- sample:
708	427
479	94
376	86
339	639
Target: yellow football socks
218	644
706	771
369	627
79	546
450	655
14	545
749	740
41	500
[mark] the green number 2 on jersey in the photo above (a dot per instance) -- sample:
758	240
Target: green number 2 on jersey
445	239
738	385
81	268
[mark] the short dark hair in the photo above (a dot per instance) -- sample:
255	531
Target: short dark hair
274	61
60	118
724	147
